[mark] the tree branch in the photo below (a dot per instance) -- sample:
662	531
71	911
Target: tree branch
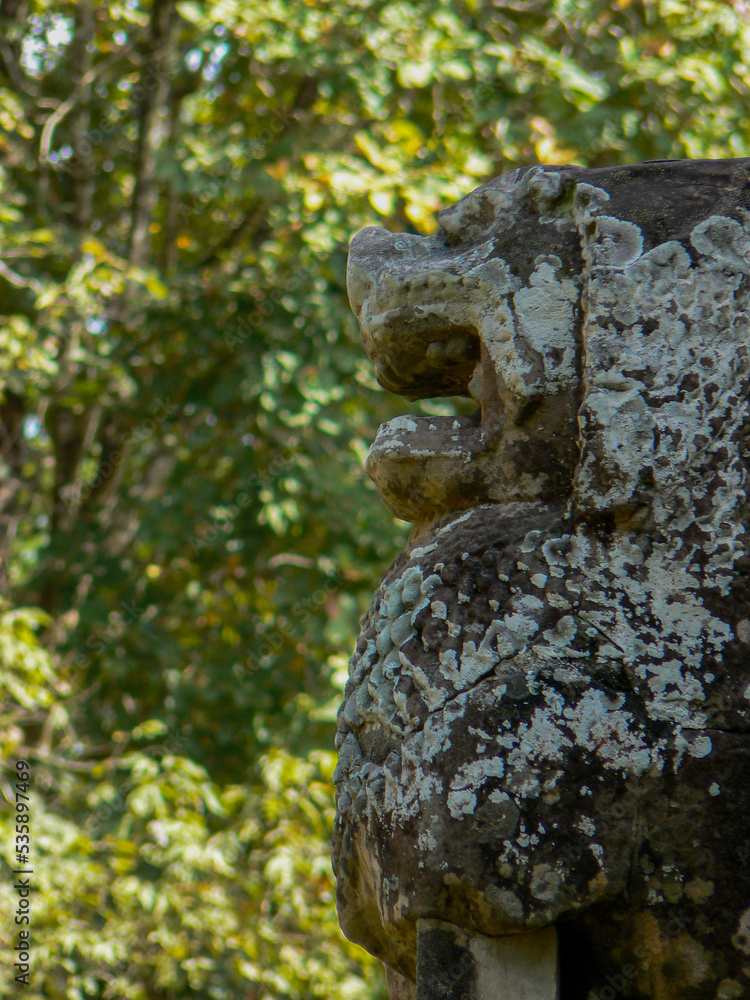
145	191
18	280
82	52
61	111
13	13
253	222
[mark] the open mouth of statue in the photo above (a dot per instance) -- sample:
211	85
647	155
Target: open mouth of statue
425	465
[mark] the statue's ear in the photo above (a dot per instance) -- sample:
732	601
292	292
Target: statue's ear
665	357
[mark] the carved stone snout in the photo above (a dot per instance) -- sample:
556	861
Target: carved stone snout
408	294
434	322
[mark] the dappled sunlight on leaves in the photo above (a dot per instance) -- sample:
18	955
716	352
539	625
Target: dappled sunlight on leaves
188	537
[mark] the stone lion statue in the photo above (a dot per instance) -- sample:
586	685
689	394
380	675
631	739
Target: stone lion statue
547	717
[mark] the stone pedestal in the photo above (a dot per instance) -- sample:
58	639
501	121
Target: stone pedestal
454	965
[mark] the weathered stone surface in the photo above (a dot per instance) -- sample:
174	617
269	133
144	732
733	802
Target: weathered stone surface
399	987
547	719
454	965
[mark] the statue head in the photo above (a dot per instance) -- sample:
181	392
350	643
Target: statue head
585	312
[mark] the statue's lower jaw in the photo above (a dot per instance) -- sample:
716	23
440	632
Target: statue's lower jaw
427	466
420	465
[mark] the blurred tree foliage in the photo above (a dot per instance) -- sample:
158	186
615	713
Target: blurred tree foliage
186	535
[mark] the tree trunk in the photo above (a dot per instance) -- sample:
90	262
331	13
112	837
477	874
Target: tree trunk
155	84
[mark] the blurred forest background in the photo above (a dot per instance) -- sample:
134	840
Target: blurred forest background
186	533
